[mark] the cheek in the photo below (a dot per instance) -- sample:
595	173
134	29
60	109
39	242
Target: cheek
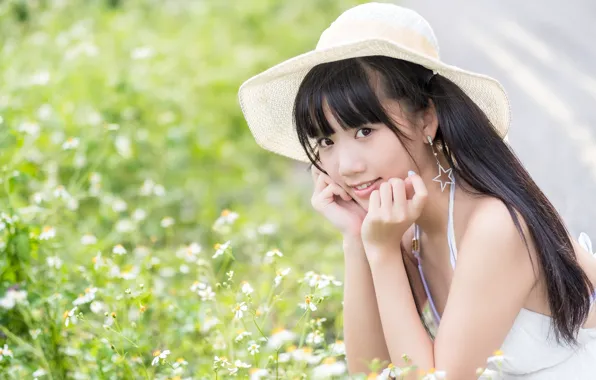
394	158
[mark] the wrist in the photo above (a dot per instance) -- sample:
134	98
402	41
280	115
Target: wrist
380	254
351	239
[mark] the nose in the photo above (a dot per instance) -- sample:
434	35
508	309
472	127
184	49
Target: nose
350	162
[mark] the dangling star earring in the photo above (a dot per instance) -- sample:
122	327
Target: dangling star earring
442	170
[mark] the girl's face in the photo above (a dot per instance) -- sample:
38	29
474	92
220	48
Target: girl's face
368	153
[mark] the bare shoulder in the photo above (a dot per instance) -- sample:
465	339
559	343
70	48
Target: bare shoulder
492	214
492	225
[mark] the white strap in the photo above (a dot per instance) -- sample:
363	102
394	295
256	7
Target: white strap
450	229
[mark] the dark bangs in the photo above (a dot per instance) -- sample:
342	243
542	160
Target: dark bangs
346	88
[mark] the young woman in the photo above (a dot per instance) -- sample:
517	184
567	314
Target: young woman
410	164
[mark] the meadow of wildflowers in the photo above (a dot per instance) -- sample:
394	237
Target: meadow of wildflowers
143	234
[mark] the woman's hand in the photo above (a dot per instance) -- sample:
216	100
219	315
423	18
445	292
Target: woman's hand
392	209
336	205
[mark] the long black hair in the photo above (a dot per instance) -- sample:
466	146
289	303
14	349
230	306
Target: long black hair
470	144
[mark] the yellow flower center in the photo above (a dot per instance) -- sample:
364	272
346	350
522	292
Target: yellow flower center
291	348
180	360
217	246
47	229
225	212
307	299
498	353
329	361
390	366
157	353
372	376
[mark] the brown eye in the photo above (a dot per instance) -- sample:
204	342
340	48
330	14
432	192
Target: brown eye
365	131
321	140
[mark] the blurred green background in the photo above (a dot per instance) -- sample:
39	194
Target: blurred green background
120	127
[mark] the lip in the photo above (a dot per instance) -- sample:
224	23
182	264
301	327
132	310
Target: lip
363	194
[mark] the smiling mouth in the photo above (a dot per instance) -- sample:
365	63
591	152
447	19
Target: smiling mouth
364	186
364	189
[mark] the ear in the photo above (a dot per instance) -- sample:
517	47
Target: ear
430	122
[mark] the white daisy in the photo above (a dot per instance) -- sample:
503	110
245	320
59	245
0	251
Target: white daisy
253	348
267	229
88	239
70	143
221	362
118	205
279	275
54	262
391	372
274	252
167	222
329	368
239	310
69	316
279	337
498	358
119	250
220	249
315	338
246	288
258	373
5	352
47	233
433	374
207	294
227	217
241	335
159	356
308	303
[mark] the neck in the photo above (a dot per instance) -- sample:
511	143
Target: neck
435	216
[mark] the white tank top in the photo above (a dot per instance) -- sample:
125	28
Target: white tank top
530	349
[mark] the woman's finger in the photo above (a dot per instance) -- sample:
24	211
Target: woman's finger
331	190
386	194
374	202
399	194
342	193
420	194
409	188
321	182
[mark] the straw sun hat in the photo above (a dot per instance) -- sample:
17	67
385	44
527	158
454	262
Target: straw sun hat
267	99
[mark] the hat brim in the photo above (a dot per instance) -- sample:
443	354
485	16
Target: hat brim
267	99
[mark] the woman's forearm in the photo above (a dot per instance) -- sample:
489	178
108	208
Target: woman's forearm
363	334
404	331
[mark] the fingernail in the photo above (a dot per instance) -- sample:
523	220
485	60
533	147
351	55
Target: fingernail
411	173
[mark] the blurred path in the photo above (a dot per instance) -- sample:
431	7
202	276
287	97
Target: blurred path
544	54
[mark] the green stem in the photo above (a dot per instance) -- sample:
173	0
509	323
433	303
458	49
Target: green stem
29	347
